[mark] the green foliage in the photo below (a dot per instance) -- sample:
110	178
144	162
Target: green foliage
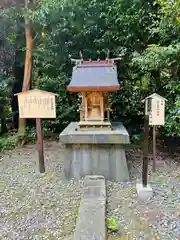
145	34
5	80
9	142
112	224
157	57
172	124
140	32
168	28
66	108
70	26
4	94
30	135
137	139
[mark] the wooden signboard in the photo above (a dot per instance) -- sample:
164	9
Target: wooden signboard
37	104
155	109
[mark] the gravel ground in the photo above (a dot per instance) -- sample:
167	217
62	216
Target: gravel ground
36	206
45	206
157	219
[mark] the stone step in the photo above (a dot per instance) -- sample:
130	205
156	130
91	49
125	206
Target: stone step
90	224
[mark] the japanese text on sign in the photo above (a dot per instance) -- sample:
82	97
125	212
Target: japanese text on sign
37	106
156	116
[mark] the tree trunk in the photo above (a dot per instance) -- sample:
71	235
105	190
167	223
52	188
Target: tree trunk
3	125
28	65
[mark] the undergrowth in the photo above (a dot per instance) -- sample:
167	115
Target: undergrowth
8	142
12	140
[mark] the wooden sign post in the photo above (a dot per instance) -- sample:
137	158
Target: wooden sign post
40	145
145	151
155	109
144	190
154	148
37	104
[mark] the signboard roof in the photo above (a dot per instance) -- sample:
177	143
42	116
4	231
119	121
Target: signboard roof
155	95
35	91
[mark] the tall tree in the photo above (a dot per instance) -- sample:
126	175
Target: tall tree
28	61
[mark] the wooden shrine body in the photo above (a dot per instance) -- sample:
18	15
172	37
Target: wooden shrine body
95	111
94	81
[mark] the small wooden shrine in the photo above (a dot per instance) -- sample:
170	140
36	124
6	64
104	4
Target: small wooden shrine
94	80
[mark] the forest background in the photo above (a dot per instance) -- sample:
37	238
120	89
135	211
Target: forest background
37	39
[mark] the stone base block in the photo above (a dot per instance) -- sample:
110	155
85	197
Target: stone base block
95	152
144	193
88	159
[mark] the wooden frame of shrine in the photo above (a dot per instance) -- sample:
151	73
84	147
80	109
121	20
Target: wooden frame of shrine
94	80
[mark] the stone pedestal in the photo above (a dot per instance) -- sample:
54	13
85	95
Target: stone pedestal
95	152
144	193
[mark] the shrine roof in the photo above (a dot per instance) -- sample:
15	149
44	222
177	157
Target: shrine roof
94	76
